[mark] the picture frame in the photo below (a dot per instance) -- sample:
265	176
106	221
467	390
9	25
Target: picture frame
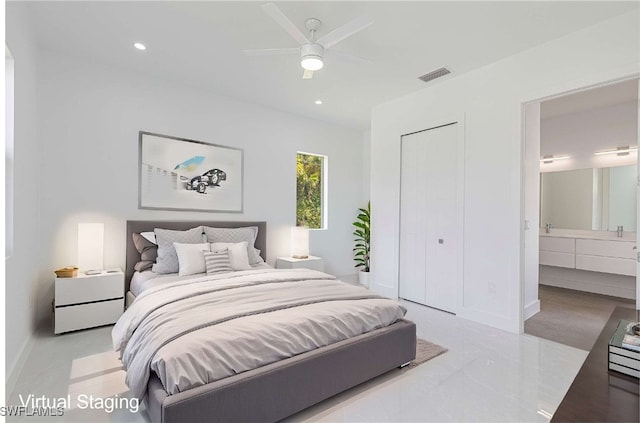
188	175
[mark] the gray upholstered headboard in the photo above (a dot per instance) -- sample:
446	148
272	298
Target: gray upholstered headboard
138	226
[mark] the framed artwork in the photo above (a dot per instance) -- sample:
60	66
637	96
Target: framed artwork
181	174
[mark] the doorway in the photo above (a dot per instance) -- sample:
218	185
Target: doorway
581	211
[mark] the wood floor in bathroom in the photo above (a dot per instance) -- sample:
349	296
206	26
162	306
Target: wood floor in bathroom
573	318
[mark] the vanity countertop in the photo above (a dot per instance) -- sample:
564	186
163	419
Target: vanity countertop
582	234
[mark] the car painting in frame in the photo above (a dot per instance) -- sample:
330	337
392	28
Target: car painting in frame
181	174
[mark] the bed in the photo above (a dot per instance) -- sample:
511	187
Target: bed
281	388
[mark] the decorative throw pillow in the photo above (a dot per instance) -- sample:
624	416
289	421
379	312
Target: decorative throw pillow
148	252
190	259
237	253
217	262
141	266
234	235
167	261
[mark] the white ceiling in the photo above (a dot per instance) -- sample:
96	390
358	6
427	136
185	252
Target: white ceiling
201	43
596	98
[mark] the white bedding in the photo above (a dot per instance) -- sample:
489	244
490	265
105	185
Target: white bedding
141	281
193	332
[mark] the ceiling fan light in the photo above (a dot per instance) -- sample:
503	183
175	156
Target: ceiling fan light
312	63
311	56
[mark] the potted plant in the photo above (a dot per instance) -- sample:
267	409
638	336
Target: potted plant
362	239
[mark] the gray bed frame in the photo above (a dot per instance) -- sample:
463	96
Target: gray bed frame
278	390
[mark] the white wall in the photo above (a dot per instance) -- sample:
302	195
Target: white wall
366	167
490	99
8	143
89	122
581	134
22	265
531	209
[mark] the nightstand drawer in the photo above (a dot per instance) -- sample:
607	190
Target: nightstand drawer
84	289
89	315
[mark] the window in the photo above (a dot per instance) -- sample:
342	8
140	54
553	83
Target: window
311	191
8	155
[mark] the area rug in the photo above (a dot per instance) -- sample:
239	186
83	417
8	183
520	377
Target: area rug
425	351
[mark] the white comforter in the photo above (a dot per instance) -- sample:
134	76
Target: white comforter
197	331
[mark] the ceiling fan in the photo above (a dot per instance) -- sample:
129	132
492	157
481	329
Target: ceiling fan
312	51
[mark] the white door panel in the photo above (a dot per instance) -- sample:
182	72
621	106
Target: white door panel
412	266
429	232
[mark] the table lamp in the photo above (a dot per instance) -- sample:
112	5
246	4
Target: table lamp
300	242
91	247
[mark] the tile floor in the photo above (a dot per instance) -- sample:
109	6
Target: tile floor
486	376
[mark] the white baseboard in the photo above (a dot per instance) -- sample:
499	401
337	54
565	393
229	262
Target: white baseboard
531	309
14	370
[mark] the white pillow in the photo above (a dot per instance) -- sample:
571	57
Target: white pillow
260	260
190	258
237	253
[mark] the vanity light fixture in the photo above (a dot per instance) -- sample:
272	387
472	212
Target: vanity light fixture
620	151
318	102
551	158
140	46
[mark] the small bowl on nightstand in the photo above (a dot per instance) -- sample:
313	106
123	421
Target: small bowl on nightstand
67	272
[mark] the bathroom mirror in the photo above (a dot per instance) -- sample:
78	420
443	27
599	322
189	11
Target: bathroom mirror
590	199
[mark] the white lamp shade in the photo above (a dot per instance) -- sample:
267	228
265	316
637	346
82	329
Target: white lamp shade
299	242
91	246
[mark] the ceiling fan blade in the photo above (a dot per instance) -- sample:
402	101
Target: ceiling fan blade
307	74
347	57
281	19
272	51
345	31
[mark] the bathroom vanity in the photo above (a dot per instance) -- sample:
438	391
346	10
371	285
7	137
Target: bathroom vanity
597	251
587	254
593	261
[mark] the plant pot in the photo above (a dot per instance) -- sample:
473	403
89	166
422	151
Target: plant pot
363	278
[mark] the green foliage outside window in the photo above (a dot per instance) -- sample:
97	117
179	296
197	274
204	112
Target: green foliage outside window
309	191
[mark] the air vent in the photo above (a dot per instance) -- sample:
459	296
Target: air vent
434	74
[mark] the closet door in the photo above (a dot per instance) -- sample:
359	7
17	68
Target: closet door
429	209
412	220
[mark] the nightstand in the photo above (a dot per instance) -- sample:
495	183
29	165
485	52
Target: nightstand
87	301
311	262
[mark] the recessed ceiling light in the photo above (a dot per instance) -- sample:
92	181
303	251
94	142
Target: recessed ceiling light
318	101
140	46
